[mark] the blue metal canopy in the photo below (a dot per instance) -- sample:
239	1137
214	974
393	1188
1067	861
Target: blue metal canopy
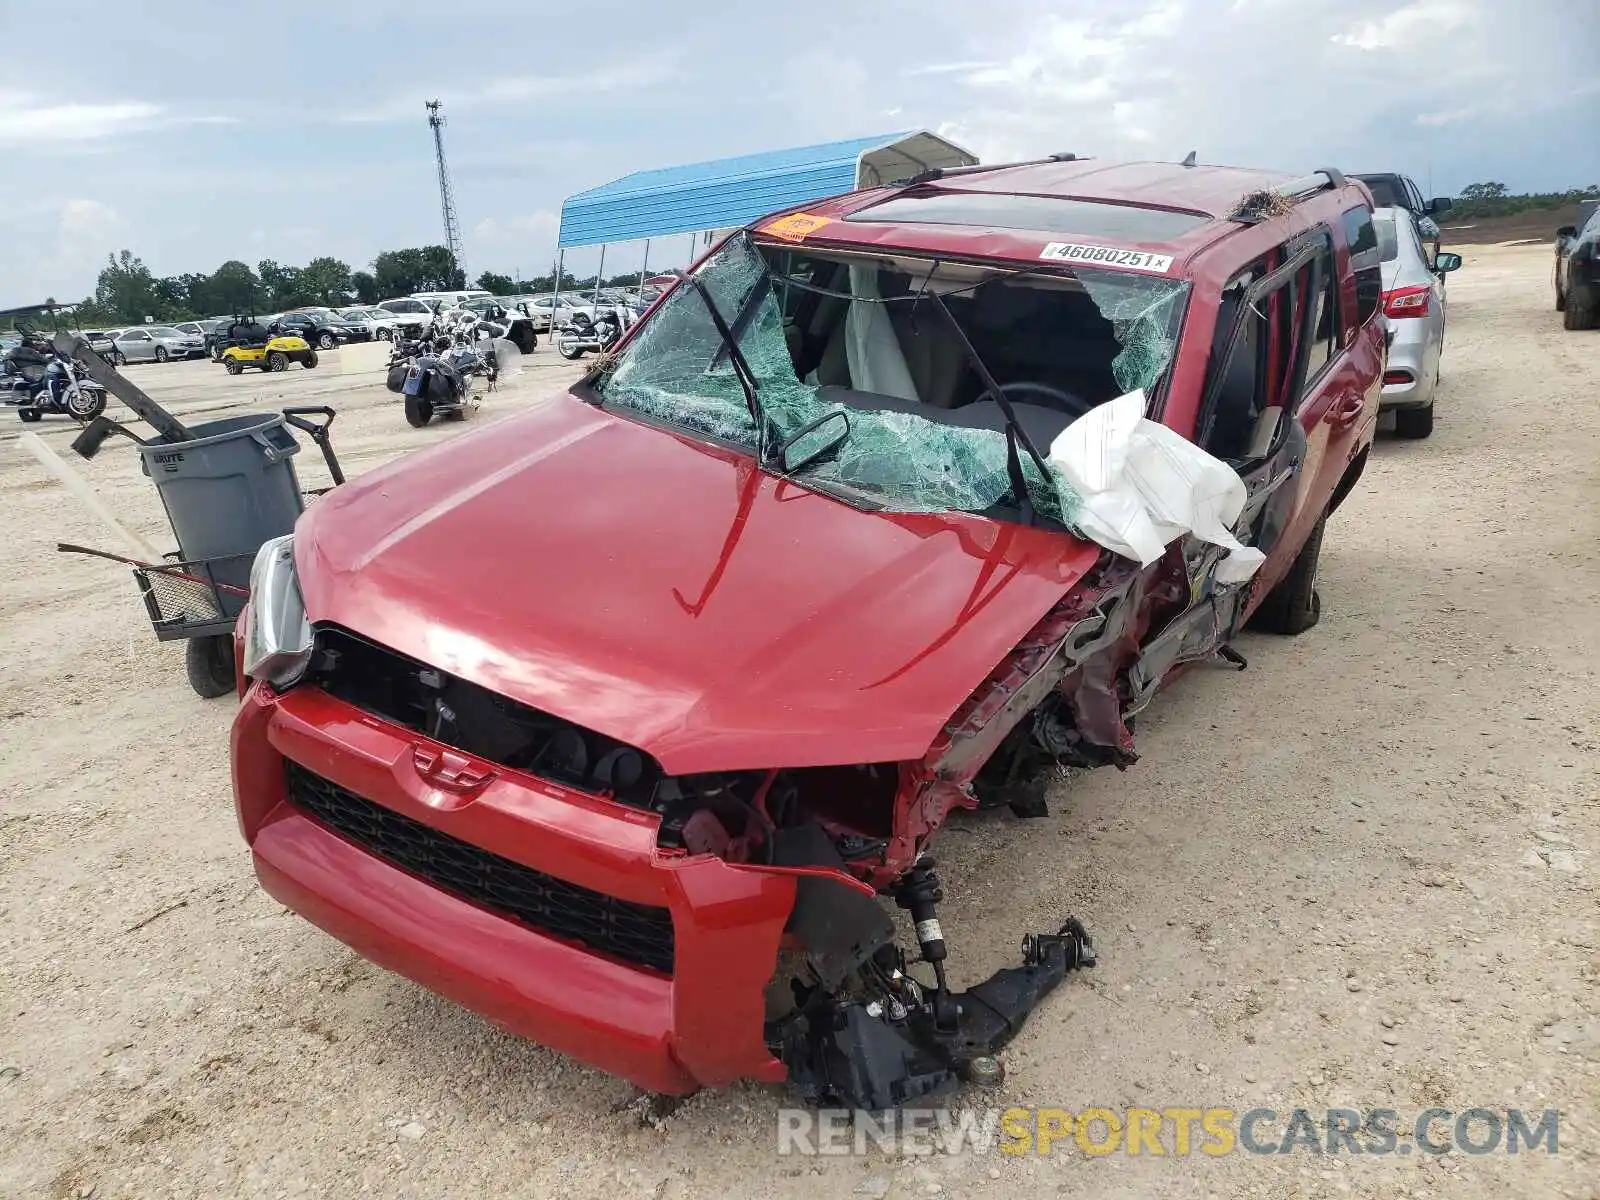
734	191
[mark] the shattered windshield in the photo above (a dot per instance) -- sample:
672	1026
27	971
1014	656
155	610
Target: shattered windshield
865	338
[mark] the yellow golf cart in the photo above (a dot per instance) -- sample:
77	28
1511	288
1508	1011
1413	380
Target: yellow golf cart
248	343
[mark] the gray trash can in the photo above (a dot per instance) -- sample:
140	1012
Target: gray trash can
228	489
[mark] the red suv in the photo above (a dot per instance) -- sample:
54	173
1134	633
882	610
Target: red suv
623	721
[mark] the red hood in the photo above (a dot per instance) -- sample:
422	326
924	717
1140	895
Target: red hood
666	593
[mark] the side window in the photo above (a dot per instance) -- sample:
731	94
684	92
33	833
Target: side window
1265	349
1324	341
1414	197
1364	262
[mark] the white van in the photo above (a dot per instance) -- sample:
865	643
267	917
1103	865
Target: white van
443	300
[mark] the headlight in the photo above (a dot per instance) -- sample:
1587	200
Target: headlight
277	638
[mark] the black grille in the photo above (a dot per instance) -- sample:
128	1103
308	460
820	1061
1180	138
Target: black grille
639	934
468	717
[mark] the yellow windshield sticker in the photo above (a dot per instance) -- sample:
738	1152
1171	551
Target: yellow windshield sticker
796	227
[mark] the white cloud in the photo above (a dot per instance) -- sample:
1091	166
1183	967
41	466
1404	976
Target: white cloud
1408	27
622	78
25	118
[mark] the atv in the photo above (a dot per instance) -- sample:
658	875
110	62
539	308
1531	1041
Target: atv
249	344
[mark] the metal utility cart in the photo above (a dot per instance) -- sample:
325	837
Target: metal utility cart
227	486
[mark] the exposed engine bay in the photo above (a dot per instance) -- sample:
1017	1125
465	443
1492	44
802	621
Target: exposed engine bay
848	1011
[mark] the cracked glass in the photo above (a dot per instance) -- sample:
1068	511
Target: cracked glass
676	369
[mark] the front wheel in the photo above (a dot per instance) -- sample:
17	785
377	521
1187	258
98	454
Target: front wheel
386	335
29	415
569	350
277	360
208	661
325	341
117	359
1294	606
234	366
85	404
418	411
161	354
310	360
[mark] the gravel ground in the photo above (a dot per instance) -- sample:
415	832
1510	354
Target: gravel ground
1361	873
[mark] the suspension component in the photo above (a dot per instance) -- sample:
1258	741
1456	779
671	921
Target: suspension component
919	893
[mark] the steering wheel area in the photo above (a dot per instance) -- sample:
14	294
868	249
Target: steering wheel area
1026	391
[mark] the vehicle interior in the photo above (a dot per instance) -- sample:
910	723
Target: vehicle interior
1044	339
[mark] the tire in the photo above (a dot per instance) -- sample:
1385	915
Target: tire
277	360
29	415
1579	312
385	335
418	412
161	354
309	362
571	354
208	661
528	342
234	366
1414	423
1294	606
118	359
1561	300
325	341
91	402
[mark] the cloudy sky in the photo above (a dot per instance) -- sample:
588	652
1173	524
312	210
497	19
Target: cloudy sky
160	130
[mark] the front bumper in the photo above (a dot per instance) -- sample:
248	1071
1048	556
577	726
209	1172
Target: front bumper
703	1025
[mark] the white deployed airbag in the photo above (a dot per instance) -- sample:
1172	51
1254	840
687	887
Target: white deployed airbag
1142	486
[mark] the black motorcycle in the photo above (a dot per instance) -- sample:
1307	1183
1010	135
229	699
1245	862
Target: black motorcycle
35	380
599	333
435	378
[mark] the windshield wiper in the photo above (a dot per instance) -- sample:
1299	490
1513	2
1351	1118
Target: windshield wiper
741	366
1015	433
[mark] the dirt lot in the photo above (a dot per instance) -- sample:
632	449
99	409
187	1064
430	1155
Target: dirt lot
1361	873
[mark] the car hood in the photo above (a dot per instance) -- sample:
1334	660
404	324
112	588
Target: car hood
668	594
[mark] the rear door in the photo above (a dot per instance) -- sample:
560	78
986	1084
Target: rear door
1278	403
136	345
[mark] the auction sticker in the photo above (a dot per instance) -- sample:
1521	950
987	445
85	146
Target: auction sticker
796	227
1106	256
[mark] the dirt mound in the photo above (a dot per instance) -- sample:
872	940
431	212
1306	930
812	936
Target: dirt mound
1534	225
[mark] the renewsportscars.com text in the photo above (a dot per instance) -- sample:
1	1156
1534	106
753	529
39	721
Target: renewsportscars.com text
1174	1131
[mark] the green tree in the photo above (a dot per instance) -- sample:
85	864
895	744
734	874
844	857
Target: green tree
233	288
400	272
126	287
365	285
1484	191
327	280
499	285
441	268
172	299
283	287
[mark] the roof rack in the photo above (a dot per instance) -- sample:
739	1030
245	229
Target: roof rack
933	173
1254	207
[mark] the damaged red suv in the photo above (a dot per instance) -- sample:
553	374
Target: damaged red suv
626	722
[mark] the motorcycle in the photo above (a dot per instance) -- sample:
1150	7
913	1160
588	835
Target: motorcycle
428	374
599	333
36	381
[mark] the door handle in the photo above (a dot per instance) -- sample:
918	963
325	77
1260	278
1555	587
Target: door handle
1347	411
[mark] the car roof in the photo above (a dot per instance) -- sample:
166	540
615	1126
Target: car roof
1207	195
